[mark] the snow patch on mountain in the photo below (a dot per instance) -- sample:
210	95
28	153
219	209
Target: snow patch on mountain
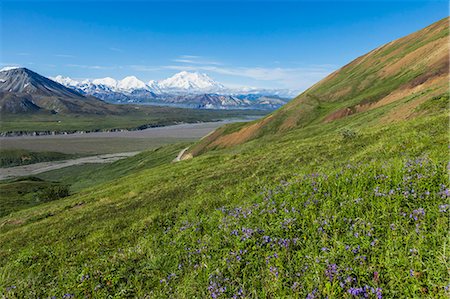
8	68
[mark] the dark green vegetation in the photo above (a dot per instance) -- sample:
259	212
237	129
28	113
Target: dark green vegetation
356	207
27	192
17	157
142	116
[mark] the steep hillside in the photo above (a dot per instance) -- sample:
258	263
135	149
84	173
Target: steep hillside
24	91
393	79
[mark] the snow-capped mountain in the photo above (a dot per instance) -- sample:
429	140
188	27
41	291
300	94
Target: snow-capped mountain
190	82
131	83
66	81
108	81
183	89
154	86
8	68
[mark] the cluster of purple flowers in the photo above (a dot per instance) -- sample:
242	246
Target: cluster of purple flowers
239	294
444	191
363	292
295	286
274	256
274	271
378	193
312	295
279	239
444	208
216	287
287	222
417	214
331	271
347	281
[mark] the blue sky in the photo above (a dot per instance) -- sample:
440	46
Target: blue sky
282	44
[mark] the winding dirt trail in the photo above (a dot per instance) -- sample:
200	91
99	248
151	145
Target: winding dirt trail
180	154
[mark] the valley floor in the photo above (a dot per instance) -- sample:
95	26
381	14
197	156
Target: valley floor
114	142
37	168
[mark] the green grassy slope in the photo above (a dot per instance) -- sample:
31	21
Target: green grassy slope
393	79
352	208
23	193
123	237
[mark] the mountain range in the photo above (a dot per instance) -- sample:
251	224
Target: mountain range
22	91
184	89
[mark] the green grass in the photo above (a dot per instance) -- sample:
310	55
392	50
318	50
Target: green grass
15	157
187	229
23	193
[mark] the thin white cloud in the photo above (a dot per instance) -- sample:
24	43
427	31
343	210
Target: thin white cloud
64	55
189	56
294	78
183	60
191	59
115	49
145	68
92	67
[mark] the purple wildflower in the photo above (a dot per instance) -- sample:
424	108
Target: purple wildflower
331	271
444	208
312	295
274	271
416	214
295	286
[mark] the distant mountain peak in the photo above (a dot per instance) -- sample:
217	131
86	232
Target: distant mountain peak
131	83
66	81
191	81
107	81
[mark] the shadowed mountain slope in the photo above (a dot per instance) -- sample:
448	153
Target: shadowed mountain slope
22	90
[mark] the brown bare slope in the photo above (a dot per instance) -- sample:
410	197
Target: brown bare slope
395	79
